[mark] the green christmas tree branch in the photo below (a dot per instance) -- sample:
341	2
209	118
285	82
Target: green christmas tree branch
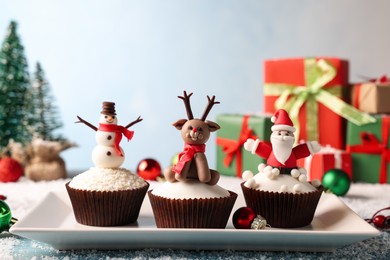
27	106
46	113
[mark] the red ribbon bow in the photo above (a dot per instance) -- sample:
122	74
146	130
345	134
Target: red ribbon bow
371	145
381	80
119	130
232	148
189	151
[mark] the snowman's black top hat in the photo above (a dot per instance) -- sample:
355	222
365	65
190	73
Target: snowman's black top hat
108	109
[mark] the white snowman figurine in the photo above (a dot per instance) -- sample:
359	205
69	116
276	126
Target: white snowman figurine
107	153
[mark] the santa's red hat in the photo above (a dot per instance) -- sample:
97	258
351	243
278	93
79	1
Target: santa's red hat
282	121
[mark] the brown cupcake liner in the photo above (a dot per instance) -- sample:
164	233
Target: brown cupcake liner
192	213
106	208
283	209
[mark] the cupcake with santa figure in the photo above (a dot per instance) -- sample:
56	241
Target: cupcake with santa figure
106	194
280	192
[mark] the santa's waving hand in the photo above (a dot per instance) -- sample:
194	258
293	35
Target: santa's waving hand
281	153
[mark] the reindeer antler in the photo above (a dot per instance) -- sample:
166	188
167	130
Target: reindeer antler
211	103
186	99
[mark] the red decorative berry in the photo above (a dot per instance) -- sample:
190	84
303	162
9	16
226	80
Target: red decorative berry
243	218
379	221
10	170
2	197
149	169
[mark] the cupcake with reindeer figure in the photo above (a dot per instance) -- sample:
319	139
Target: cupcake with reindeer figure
191	197
107	195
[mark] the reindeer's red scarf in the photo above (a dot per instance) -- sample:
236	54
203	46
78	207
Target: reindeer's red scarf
119	130
189	151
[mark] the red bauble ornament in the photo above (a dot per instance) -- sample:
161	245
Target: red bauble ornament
243	217
379	221
246	218
148	169
10	170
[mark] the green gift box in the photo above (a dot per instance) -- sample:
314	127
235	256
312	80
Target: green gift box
369	146
232	158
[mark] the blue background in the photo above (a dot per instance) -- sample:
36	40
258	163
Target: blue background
142	54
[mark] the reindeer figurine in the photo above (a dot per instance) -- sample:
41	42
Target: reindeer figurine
192	163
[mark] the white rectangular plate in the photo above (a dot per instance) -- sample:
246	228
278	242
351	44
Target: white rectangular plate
52	221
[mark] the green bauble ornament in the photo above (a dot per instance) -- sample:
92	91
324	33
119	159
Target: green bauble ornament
5	216
337	181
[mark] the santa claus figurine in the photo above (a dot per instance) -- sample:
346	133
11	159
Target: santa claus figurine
281	154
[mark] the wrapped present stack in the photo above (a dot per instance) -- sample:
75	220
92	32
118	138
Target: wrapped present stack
348	120
368	144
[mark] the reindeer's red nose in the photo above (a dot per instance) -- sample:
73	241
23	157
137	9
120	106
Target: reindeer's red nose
195	130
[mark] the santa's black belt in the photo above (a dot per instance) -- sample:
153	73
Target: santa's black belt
284	170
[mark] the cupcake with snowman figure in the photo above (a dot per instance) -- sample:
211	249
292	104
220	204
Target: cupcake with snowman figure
280	192
107	195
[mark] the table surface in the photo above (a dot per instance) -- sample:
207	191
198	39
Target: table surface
364	199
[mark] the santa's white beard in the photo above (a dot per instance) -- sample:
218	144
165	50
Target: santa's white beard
282	147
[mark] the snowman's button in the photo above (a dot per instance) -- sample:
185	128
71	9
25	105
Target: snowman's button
109	137
108	153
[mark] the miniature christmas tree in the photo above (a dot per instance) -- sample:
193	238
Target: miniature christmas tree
14	85
46	114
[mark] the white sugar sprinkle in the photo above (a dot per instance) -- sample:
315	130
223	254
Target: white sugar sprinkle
107	179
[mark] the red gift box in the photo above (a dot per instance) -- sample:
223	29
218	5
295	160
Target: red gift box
283	75
328	158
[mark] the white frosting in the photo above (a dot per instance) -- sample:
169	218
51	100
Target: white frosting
107	179
282	183
269	179
190	189
246	175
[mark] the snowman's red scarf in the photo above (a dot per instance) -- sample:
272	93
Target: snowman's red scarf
189	151
119	130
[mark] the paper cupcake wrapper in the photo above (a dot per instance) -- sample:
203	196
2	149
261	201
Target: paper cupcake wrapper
283	210
106	208
192	213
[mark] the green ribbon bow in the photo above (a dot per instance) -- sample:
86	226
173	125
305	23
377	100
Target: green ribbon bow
317	75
